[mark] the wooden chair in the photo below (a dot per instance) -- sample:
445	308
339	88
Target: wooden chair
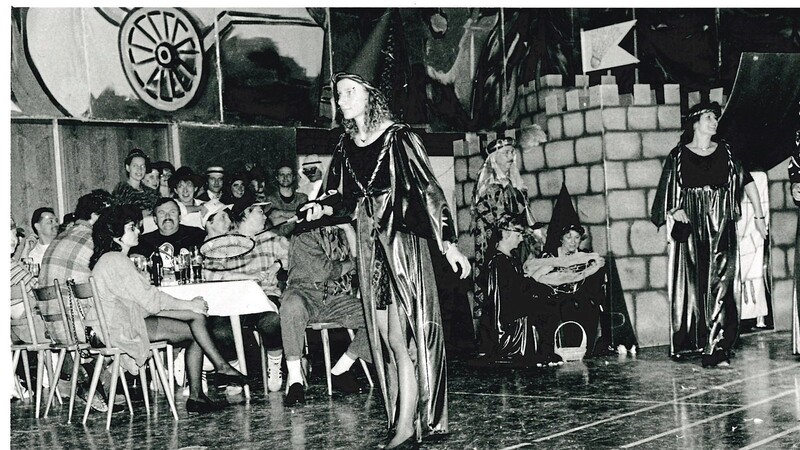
59	323
323	328
25	326
110	351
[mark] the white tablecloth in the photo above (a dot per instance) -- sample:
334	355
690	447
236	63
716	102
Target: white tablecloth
226	298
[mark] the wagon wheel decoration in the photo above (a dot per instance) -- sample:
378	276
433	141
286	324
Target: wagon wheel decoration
162	56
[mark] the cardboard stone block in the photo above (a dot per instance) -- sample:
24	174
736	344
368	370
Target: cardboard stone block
551	80
622	145
461	169
669	117
783	227
573	100
464	216
641	95
608	79
468	189
694	98
642	117
542	209
594	121
715	95
625	99
555	129
490	136
615	175
473	146
550	182
644	173
597	240
779	195
672	94
779	172
458	148
782	310
604	95
598	178
627	204
591	209
778	262
658	144
657	269
533	159
615	118
577	179
632	272
532	102
475	163
553	104
652	311
525	121
589	149
618	234
531	182
573	124
466	244
559	153
645	239
581	80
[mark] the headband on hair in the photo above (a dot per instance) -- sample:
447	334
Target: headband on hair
496	144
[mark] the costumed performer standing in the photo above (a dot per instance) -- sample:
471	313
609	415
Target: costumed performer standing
794	179
382	171
699	196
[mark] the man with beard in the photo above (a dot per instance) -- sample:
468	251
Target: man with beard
286	200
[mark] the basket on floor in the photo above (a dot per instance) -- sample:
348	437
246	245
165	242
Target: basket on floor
570	353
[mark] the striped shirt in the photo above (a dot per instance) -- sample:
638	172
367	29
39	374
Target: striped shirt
68	255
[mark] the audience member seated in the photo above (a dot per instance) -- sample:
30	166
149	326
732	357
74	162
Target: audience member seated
132	191
20	275
576	280
258	181
167	215
515	303
44	224
261	264
185	183
238	190
215	180
138	313
165	170
285	200
152	178
320	289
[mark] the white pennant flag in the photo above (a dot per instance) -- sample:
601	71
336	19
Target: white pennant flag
600	47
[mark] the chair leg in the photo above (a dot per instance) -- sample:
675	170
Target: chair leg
170	370
145	394
53	380
166	381
27	367
14	362
73	387
326	349
125	391
98	368
39	380
363	364
153	377
264	377
115	373
61	353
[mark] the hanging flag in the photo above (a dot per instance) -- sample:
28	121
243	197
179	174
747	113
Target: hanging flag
600	47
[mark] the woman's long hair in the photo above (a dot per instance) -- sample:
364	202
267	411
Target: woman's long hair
110	225
376	112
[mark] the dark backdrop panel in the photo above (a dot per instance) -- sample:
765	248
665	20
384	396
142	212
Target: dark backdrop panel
232	148
93	154
33	170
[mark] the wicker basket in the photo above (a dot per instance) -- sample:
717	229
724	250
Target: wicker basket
570	353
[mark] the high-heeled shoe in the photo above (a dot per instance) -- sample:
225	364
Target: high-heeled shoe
236	378
410	443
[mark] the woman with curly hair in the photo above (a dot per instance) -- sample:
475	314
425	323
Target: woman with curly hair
138	313
382	171
699	195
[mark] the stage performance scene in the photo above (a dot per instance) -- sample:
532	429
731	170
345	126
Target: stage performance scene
406	227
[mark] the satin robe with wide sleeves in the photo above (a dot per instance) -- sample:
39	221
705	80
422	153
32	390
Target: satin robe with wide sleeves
794	177
701	272
393	222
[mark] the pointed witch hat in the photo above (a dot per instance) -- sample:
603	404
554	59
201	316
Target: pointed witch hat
365	67
564	216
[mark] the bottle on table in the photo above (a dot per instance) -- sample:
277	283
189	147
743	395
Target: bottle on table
156	268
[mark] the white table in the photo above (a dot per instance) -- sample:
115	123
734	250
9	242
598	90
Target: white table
231	299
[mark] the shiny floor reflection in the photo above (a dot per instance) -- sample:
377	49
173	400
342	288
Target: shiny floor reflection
642	401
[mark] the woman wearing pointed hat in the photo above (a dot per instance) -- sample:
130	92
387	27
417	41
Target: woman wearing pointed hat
499	191
701	185
381	168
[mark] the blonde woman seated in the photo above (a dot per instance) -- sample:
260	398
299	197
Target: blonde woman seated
138	313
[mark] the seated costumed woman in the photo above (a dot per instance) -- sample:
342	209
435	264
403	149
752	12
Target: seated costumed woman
498	192
138	313
516	303
575	279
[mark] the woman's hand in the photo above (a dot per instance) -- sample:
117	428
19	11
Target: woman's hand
680	216
27	246
198	305
761	226
456	259
316	211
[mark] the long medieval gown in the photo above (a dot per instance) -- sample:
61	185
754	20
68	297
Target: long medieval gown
389	189
701	271
794	177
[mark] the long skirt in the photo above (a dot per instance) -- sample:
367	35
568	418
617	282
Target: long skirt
796	296
702	273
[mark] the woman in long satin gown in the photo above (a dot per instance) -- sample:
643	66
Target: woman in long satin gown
701	185
794	179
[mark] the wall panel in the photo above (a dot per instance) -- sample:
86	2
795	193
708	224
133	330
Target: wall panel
33	179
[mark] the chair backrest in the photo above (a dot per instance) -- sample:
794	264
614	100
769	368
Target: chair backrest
101	315
23	327
55	314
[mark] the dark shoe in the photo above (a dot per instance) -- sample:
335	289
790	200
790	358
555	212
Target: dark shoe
224	379
345	383
295	396
717	358
203	405
409	444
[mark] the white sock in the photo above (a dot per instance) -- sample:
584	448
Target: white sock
275	360
295	372
343	365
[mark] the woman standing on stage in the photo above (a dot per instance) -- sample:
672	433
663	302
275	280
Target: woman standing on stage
699	193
